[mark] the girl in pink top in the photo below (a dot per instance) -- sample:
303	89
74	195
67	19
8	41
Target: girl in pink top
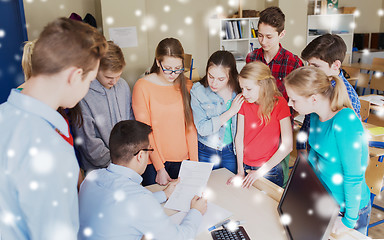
264	132
161	99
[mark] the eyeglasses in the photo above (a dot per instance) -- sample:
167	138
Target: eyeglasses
170	71
144	149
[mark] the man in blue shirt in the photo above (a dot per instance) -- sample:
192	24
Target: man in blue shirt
113	204
38	167
327	53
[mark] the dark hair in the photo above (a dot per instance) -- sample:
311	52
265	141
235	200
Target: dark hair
274	17
226	60
128	137
171	47
64	43
328	48
113	60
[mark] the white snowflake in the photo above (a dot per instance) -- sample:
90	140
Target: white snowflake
237	181
69	174
285	219
8	218
119	195
356	145
42	162
62	6
164	27
149	22
208	194
2	33
149	236
87	232
62	232
188	20
303	175
326	154
352	116
167	8
378	74
337	179
215	159
92	176
258	198
219	9
109	20
317	146
180	32
310	212
138	12
357	13
253	125
322	206
11	153
298	41
232	3
365	51
65	190
310	129
318	129
133	57
33	151
100	215
55	203
352	25
333	159
337	127
79	141
232	226
380	12
33	185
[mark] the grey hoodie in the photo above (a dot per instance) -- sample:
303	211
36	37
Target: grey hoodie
101	109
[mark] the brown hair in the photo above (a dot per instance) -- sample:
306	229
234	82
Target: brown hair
261	74
26	59
113	60
171	47
226	60
328	48
65	43
307	81
274	17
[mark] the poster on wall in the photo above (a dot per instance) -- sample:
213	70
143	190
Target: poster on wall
124	36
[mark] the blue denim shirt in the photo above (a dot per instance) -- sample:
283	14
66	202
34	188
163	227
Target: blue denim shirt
207	106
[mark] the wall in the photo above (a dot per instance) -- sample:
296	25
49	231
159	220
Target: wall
369	20
295	25
39	12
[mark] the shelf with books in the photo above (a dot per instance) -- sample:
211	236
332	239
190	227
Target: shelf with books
236	35
340	24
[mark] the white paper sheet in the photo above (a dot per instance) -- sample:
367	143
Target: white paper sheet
124	36
374	99
193	179
212	216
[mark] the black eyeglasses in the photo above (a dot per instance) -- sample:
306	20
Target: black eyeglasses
170	71
144	149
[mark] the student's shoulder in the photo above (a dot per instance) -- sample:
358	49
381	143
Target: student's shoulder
347	117
290	56
197	87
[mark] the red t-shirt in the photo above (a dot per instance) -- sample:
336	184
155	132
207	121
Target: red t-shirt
261	141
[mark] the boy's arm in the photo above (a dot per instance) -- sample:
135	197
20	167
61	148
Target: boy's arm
239	143
90	145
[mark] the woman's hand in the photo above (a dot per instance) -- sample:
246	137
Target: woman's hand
171	187
252	176
236	104
162	177
236	180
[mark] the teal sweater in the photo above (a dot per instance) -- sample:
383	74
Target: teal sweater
339	156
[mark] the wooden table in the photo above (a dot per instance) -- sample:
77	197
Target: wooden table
256	205
364	66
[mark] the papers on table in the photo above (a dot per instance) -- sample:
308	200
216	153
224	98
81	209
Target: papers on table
376	131
193	179
212	216
374	99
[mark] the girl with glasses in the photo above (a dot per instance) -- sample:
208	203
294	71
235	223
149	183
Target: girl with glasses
215	102
161	99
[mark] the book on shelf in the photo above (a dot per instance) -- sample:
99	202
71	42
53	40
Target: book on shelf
229	30
253	31
240	29
235	29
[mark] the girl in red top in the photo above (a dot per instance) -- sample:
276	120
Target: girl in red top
264	132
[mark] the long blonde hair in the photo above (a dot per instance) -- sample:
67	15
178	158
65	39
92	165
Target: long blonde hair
26	63
307	81
262	76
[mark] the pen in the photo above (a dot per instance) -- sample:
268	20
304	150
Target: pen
219	224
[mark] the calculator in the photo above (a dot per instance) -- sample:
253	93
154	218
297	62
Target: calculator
225	234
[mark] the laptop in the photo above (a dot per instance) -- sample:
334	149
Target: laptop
306	209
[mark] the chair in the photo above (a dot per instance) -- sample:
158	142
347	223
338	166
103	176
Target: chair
353	73
377	83
364	110
374	179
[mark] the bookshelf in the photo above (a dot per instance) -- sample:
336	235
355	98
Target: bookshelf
340	24
234	35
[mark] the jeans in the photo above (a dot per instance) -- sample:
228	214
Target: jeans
225	158
363	220
274	175
149	176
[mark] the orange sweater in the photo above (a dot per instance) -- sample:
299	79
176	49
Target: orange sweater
161	107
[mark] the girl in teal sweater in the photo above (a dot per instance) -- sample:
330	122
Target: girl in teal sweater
339	148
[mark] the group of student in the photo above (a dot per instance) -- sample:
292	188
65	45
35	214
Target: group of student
239	121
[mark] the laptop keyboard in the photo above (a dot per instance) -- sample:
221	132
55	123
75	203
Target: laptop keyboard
225	234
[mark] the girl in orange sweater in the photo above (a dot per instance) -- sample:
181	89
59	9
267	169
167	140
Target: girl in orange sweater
162	100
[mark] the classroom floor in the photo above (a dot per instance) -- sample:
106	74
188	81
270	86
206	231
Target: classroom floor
376	232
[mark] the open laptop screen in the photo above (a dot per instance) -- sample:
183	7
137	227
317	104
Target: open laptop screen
306	208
